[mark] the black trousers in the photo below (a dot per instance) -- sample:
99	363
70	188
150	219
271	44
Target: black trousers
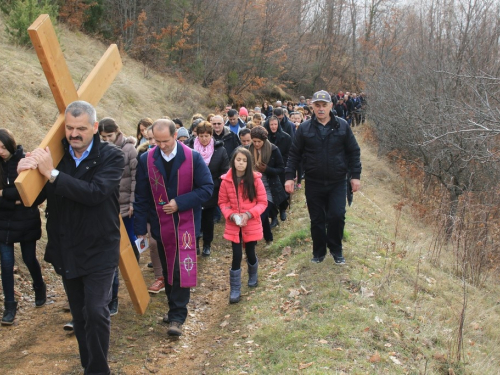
178	298
266	227
207	225
88	298
326	205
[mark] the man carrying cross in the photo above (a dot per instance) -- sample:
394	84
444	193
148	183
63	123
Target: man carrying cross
83	226
172	182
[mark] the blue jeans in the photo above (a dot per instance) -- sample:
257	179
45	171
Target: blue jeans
28	251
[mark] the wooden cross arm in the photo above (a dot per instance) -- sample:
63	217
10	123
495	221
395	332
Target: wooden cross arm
48	50
30	183
101	77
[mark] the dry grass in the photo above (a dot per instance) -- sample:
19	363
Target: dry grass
389	311
29	110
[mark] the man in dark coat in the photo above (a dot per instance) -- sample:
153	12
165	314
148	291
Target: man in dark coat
170	189
83	227
329	152
222	133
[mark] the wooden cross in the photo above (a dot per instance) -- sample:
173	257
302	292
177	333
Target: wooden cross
30	183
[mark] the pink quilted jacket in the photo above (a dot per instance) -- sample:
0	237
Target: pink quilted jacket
230	203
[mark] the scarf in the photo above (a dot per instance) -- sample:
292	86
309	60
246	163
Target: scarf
207	151
263	156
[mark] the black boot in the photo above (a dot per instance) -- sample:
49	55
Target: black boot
206	250
235	284
274	222
283	215
9	313
252	274
40	295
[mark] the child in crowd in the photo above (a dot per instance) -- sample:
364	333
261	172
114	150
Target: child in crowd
242	199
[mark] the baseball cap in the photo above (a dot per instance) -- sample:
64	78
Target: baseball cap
321	96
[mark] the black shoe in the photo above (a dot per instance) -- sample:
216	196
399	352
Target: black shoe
150	265
40	295
9	314
274	222
68	327
318	260
174	329
339	260
206	250
113	307
283	215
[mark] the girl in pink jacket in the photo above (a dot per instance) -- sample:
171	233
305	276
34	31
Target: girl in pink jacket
242	199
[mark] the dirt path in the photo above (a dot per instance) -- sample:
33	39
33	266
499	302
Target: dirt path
37	343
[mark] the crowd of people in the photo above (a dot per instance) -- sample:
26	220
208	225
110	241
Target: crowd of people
171	184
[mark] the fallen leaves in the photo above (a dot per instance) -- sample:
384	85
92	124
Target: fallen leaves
287	251
367	293
375	358
303	366
395	360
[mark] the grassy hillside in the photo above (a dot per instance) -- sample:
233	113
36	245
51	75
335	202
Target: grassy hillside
28	108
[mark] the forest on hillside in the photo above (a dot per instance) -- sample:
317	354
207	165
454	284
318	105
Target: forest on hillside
430	71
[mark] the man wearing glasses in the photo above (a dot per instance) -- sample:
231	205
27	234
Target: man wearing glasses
222	133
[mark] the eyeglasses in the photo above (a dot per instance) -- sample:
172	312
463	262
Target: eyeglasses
216	123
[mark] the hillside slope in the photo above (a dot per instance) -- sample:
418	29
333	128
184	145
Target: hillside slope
28	108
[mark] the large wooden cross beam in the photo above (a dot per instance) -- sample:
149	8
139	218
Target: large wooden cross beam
31	182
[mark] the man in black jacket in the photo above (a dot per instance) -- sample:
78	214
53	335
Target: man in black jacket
222	133
83	227
329	151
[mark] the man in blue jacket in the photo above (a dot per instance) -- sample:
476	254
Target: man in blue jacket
329	152
172	182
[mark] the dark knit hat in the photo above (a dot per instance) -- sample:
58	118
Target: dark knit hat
259	132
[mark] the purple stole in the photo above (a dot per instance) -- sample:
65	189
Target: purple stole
184	234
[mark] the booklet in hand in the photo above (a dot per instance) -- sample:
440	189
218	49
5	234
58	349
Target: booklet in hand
142	244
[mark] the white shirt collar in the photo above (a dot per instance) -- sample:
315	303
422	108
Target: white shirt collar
172	154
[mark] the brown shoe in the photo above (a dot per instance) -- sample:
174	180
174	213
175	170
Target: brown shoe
157	286
175	329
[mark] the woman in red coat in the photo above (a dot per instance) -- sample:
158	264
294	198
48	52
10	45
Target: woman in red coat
242	199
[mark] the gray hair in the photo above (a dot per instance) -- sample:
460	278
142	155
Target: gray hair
162	123
81	107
